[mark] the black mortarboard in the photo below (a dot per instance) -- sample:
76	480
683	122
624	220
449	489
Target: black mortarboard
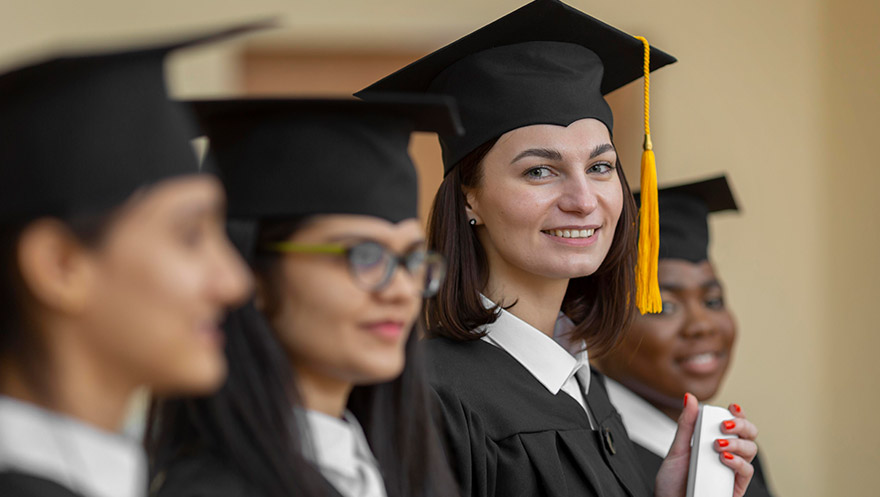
545	63
80	133
684	217
298	157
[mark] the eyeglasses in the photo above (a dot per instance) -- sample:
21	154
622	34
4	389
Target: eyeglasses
372	264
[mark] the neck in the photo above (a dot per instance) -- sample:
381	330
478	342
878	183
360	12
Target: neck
74	383
322	393
537	300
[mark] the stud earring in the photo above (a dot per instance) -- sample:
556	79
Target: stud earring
472	222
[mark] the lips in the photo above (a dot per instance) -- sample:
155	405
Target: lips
211	332
387	330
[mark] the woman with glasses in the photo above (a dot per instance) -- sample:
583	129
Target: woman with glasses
325	394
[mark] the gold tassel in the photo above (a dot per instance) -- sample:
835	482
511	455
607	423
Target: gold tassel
647	287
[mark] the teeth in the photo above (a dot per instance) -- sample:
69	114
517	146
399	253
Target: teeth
702	358
571	233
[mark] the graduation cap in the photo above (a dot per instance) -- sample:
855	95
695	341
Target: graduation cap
684	217
299	157
545	63
79	133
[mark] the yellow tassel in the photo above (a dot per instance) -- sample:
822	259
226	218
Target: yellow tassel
647	287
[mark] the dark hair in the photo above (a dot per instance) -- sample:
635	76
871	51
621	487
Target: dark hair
249	423
601	304
19	341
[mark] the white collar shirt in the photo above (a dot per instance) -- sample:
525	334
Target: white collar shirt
80	457
343	455
543	357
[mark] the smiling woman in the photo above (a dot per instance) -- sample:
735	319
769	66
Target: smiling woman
687	347
537	221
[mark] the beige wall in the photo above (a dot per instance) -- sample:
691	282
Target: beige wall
781	95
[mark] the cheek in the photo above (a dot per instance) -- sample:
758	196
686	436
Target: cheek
610	199
510	208
727	326
319	308
319	322
650	346
150	307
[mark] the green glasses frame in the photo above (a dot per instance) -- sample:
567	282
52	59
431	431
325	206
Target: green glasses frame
434	263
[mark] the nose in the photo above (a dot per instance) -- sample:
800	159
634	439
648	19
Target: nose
401	288
578	196
231	280
698	324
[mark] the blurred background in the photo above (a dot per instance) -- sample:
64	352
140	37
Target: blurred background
783	96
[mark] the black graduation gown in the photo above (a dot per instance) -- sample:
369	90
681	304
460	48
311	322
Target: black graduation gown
207	475
508	436
651	464
15	484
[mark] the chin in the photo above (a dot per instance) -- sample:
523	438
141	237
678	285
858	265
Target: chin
204	379
381	371
574	269
207	379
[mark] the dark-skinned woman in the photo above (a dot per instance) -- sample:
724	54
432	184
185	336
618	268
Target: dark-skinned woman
688	347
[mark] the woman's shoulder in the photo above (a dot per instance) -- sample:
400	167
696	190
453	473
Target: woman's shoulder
453	364
202	475
15	484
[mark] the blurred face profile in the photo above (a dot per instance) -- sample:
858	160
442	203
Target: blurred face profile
161	280
685	348
548	200
334	326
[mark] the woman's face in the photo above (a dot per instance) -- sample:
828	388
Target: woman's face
548	201
331	326
687	347
162	279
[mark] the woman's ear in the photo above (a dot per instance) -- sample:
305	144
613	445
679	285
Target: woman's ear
471	207
55	266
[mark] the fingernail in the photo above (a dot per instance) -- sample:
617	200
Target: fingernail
723	442
727	455
685	400
737	407
729	425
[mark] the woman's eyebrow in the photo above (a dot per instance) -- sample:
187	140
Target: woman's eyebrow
601	149
550	154
543	153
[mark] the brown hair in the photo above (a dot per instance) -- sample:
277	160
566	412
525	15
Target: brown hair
601	304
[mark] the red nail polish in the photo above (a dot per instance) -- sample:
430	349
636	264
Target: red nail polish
737	407
727	455
723	442
685	400
729	425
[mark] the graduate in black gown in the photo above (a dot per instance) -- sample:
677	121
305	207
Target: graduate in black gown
688	346
326	393
537	222
114	267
